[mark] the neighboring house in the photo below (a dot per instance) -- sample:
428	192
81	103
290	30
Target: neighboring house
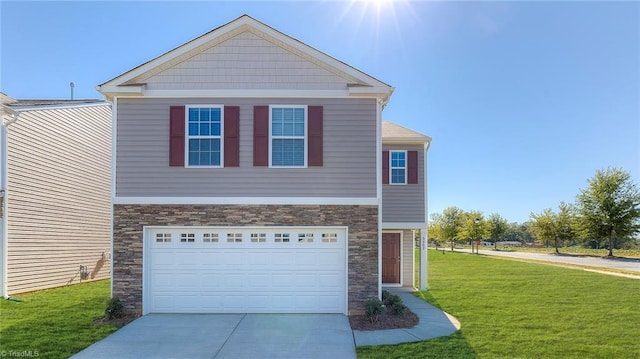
55	165
249	178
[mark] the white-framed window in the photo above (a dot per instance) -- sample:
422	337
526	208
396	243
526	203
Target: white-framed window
282	238
234	237
398	167
204	129
187	237
258	237
329	237
305	237
287	136
163	237
210	237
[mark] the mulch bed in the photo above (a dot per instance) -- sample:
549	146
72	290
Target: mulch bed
386	321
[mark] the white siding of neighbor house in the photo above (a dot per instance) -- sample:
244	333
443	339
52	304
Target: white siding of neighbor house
142	159
58	189
405	203
245	61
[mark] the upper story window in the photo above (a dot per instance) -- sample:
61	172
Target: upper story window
398	167
288	136
204	136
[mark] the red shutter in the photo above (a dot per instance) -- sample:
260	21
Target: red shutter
176	135
314	155
261	135
231	136
412	167
385	167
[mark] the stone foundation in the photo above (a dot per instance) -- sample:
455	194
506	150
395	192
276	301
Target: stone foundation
128	222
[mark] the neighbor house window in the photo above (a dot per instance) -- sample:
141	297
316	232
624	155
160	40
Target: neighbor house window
398	167
204	136
288	136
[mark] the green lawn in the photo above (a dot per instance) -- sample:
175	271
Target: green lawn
54	323
512	309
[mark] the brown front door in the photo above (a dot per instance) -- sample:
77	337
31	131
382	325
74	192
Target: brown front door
391	258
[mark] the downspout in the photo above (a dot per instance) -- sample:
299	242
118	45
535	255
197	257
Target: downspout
424	243
380	103
4	233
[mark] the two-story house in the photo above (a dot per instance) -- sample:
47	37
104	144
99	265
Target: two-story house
252	174
55	202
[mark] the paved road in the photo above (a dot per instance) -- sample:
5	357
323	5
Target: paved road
632	265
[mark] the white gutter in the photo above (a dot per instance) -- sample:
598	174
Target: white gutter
4	231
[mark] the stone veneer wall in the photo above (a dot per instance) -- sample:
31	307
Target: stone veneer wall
128	222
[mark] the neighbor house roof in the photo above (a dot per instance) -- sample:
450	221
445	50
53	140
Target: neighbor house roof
132	82
392	132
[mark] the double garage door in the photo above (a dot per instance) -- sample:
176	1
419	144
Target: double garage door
245	270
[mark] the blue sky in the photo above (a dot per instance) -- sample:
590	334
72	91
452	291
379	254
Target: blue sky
524	100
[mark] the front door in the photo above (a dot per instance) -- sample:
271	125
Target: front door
391	258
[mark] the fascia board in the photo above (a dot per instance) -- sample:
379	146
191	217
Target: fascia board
405	140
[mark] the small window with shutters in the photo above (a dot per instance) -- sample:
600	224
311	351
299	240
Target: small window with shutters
288	136
399	167
204	136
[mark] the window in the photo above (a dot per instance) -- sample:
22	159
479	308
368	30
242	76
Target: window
398	167
163	237
281	238
288	136
329	237
204	136
234	237
258	237
187	237
305	237
210	237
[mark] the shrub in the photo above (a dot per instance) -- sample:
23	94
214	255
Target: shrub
394	301
115	309
373	308
398	308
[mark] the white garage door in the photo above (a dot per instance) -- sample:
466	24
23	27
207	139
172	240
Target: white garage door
245	270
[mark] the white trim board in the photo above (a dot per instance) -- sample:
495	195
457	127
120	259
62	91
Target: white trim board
364	201
403	225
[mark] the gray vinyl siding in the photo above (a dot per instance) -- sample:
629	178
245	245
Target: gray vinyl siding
245	61
405	203
408	271
142	159
58	197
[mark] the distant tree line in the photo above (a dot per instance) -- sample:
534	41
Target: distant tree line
605	215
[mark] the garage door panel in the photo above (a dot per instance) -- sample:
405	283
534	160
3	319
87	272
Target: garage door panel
307	276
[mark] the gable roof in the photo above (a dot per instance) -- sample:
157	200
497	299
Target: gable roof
392	132
132	82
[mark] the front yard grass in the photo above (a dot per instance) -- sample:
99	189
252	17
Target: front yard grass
512	309
54	323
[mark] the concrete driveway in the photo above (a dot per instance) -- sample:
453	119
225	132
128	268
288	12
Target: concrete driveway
229	336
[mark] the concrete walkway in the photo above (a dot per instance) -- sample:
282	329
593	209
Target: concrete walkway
433	323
